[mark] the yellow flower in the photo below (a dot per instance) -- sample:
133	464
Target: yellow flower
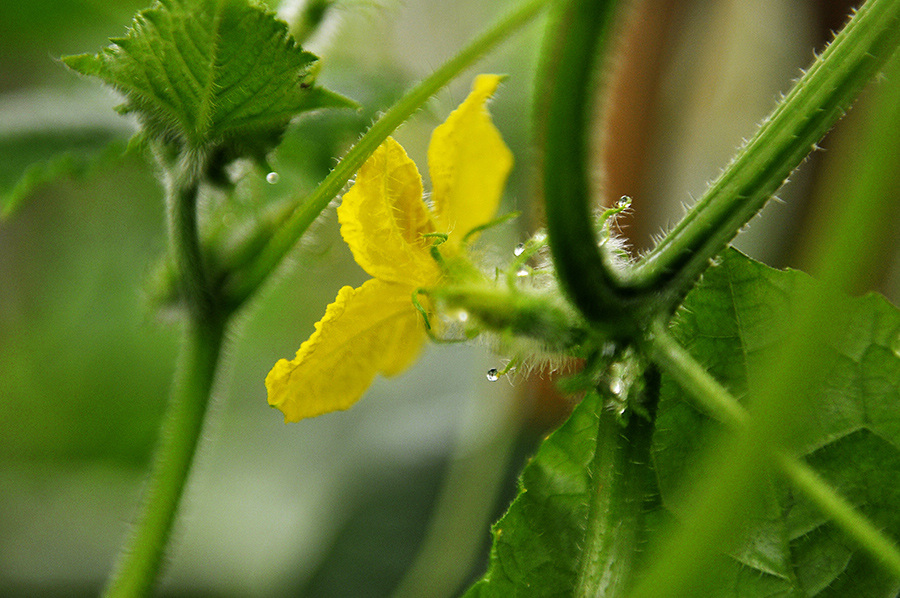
376	328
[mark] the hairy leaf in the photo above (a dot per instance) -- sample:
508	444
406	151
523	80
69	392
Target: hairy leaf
731	322
223	76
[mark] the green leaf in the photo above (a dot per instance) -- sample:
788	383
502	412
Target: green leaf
223	76
552	496
578	524
29	161
730	323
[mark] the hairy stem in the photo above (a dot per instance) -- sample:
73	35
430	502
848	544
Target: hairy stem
183	189
824	93
283	240
622	478
582	32
141	559
538	316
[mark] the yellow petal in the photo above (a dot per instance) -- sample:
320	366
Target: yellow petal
469	164
383	218
369	330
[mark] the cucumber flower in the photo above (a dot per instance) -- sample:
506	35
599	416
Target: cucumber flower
393	234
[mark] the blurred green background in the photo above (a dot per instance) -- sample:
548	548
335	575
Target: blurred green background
395	496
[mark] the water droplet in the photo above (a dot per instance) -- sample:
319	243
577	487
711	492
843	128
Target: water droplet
895	345
520	249
493	375
523	272
624	201
272	177
462	316
617	386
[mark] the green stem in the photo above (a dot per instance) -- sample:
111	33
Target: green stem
190	263
693	378
580	40
622	477
824	93
542	317
675	361
806	480
141	559
283	240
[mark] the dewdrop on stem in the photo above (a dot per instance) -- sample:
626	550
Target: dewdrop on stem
617	386
493	375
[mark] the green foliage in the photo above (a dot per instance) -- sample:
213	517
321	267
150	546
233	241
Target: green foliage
732	322
223	76
75	342
577	527
30	161
215	81
537	544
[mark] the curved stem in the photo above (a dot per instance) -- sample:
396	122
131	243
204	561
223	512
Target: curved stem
573	64
141	559
245	283
786	137
660	280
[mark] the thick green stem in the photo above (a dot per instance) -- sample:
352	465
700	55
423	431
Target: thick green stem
576	48
285	238
819	99
824	93
622	477
190	263
142	557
